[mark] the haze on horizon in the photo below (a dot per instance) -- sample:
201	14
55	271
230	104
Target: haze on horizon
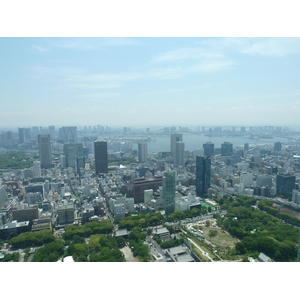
150	81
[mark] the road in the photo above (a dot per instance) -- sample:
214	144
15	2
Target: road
203	252
128	254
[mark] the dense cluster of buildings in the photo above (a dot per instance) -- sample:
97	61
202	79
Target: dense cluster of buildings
72	181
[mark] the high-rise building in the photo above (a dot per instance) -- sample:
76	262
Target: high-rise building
246	146
175	137
37	168
298	254
168	192
51	131
285	184
179	154
101	158
226	149
68	134
21	135
45	151
209	149
277	146
74	155
142	152
65	214
203	174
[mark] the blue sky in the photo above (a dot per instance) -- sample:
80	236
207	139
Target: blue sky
149	81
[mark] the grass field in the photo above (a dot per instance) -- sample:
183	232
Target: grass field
222	239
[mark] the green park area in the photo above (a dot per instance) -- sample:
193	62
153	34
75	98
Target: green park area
16	160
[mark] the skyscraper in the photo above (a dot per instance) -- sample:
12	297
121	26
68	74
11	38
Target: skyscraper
68	134
142	152
168	192
179	154
175	137
45	151
277	146
203	174
101	159
209	149
21	135
37	168
74	155
226	149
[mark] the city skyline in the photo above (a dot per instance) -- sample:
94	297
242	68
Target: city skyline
149	81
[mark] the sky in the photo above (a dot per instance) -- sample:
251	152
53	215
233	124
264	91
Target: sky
150	81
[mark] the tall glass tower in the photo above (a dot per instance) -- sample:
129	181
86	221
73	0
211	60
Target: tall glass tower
203	173
101	159
168	192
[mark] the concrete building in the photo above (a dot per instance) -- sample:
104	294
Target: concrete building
3	196
136	187
45	151
209	149
68	134
277	146
37	168
179	154
74	156
65	214
26	214
226	149
142	152
175	137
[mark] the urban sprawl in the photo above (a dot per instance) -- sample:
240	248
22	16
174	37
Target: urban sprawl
97	194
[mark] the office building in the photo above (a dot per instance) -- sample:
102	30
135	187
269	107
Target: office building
21	135
203	174
68	134
45	151
101	158
226	149
3	196
209	149
74	156
168	192
179	154
285	184
277	146
136	187
246	146
142	152
37	168
65	214
175	137
27	214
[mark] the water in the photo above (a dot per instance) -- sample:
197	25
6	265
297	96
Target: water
195	142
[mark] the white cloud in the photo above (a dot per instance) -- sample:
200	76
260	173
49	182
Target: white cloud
184	54
40	48
276	47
